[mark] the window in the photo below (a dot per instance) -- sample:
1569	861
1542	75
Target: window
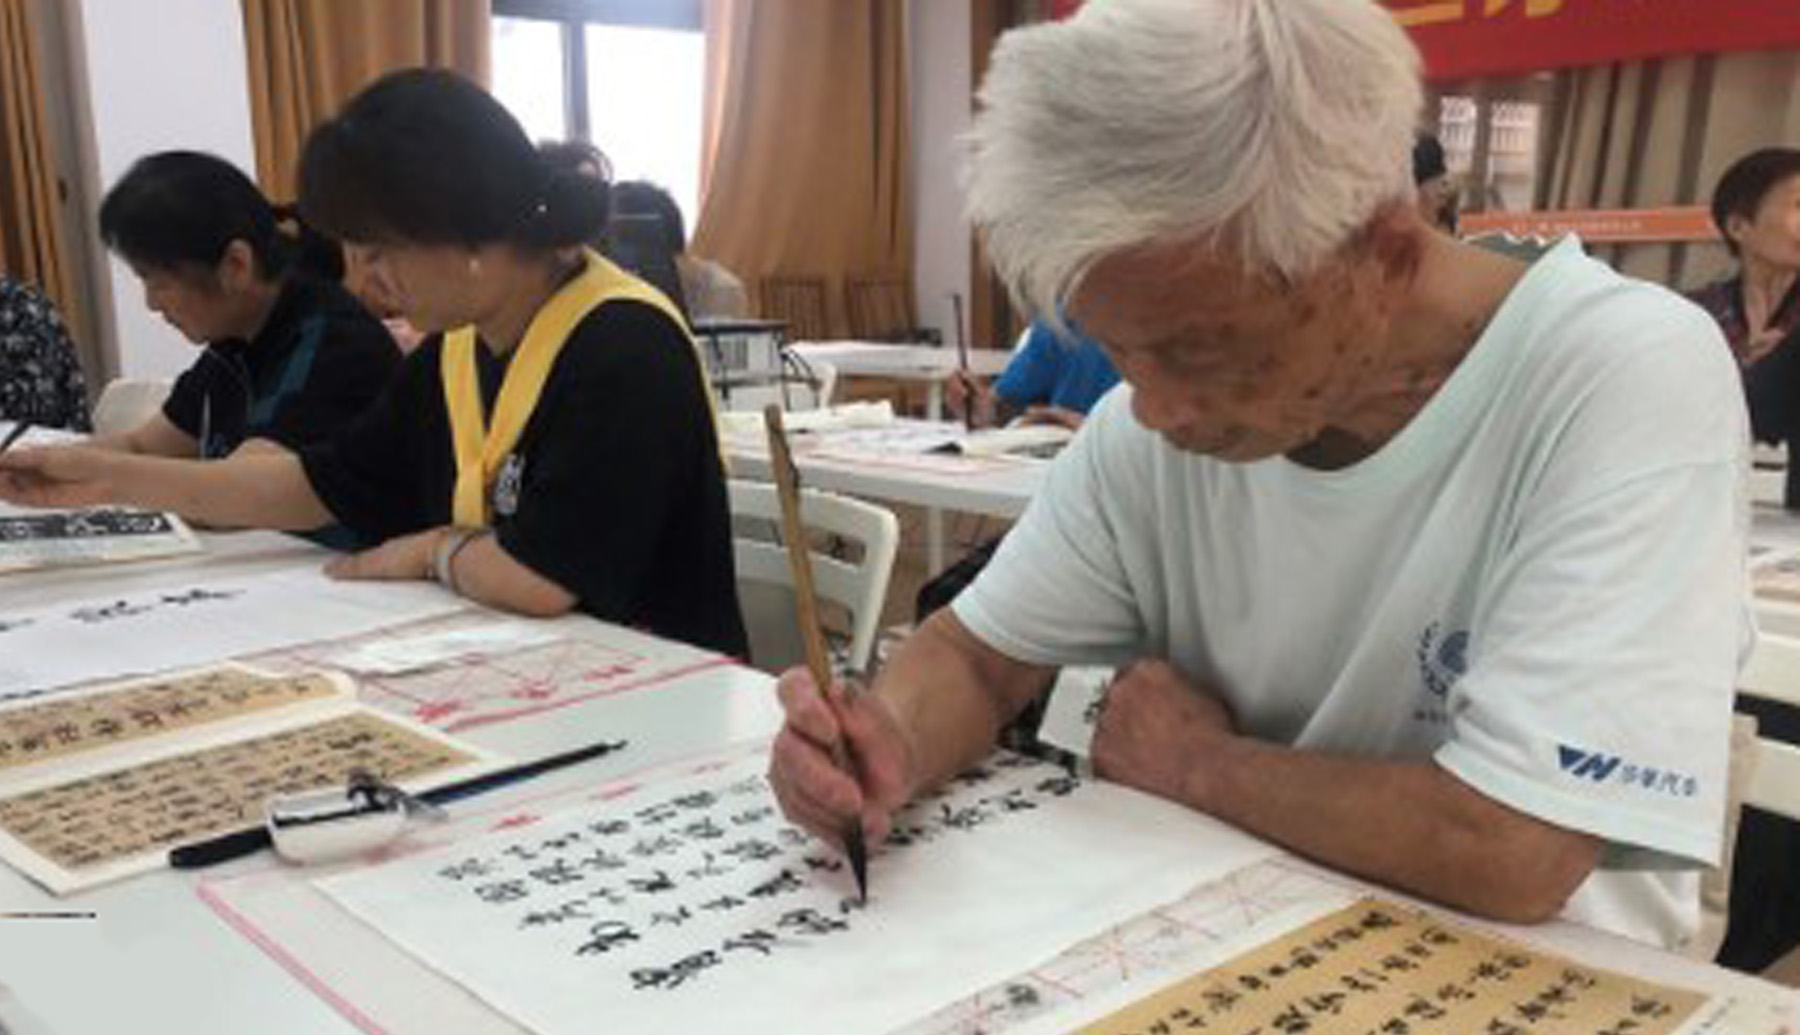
1491	142
529	73
627	75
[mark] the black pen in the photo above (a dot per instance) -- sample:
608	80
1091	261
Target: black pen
240	843
18	432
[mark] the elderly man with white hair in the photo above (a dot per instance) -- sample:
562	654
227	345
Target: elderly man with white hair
1423	563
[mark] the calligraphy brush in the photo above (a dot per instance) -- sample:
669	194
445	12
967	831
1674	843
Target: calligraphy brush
240	843
18	432
962	362
806	604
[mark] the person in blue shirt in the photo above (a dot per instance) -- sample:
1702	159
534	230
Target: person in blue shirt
1052	379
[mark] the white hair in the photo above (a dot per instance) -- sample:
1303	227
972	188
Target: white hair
1275	129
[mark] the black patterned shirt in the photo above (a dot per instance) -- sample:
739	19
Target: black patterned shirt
40	378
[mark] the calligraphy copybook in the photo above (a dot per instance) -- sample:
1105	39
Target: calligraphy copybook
1377	967
100	784
692	906
104	535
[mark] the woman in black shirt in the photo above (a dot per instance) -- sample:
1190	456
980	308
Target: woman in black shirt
549	447
288	356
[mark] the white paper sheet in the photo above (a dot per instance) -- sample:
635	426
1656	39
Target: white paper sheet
427	650
198	624
1074	709
654	913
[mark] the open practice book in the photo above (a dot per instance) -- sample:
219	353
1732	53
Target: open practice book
101	783
102	535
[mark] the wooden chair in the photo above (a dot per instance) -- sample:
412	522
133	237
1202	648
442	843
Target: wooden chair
881	309
798	302
765	582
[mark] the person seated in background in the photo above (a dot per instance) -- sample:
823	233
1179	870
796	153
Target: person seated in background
1051	379
549	447
1436	188
712	291
1756	207
288	357
40	376
1418	561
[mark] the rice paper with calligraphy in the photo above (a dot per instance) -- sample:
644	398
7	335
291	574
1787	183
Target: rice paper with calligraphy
654	912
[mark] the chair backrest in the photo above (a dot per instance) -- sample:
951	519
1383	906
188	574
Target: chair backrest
127	402
765	581
1773	674
1768	473
881	308
799	302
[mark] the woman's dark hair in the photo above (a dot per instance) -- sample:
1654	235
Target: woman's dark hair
1744	187
582	158
642	198
182	209
427	157
1428	158
576	156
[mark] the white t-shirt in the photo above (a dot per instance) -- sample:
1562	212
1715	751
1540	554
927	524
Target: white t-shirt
1538	583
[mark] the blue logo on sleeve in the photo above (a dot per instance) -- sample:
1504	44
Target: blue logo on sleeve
1442	659
1600	767
1591	764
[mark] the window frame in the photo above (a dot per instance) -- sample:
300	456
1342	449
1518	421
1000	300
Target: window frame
572	17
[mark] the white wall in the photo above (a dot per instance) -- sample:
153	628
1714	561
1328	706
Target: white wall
151	76
939	50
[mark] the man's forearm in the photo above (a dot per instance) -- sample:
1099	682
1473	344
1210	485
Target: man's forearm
951	695
1410	825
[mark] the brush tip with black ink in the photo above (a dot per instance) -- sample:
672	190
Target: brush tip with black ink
858	850
19	431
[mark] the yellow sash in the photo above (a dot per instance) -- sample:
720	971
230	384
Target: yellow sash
482	446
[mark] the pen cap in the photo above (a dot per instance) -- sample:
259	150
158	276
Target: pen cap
326	826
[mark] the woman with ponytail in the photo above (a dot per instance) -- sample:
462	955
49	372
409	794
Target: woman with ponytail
548	447
288	356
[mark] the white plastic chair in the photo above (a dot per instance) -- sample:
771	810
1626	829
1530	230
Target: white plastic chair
128	402
1773	674
1768	474
765	581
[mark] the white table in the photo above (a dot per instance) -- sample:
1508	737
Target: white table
931	365
996	490
158	960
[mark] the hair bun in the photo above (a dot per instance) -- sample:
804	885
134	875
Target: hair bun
573	209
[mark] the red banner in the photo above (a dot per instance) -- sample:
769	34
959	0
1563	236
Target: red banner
1466	38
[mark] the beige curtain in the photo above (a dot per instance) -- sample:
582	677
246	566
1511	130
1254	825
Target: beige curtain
306	57
31	246
1659	133
804	152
